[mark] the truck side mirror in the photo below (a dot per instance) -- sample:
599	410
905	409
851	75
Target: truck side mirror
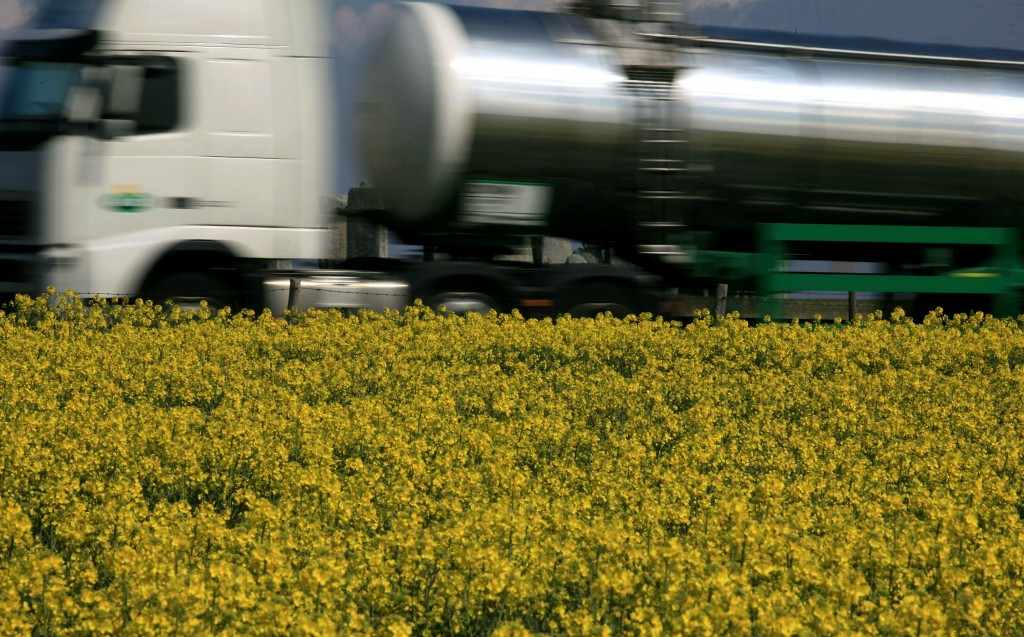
107	100
123	84
84	105
125	90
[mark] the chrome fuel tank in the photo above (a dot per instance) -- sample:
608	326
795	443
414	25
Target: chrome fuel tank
487	119
527	107
875	135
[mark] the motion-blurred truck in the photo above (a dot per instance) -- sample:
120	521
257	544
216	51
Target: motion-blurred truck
186	151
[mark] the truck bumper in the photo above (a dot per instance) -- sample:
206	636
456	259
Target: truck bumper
334	289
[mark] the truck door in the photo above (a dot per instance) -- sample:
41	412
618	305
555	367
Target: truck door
114	185
236	170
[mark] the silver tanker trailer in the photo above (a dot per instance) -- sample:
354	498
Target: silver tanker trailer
184	152
719	155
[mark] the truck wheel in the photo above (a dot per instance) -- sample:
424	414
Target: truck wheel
597	298
188	289
463	303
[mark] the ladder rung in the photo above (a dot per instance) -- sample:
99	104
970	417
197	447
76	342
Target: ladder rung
661	224
676	197
664	170
661	249
662	194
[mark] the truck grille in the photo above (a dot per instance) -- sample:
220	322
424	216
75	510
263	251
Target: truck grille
15	218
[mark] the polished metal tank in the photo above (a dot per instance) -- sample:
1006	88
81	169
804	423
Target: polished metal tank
474	119
821	134
524	106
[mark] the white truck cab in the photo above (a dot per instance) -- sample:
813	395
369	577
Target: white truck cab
160	149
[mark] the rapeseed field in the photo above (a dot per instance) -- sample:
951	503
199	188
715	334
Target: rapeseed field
168	473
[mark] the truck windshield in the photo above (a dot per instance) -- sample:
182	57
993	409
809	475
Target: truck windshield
38	90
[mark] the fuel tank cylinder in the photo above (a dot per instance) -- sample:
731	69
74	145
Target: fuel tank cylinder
476	118
483	117
786	134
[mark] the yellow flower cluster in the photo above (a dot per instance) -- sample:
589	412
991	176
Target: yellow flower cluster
414	473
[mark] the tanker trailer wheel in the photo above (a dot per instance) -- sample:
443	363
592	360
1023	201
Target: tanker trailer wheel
188	290
597	298
462	303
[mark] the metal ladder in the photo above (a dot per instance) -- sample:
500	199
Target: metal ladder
663	175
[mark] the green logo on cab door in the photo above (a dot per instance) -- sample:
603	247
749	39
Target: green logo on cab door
127	199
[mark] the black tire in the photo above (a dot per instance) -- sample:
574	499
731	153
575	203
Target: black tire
462	303
188	289
593	299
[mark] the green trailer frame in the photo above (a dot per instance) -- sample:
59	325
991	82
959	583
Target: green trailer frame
1002	277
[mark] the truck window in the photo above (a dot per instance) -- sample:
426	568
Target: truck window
38	90
158	108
